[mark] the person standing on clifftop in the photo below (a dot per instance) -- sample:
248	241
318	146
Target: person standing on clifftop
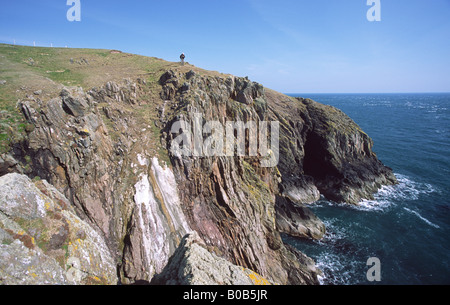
182	57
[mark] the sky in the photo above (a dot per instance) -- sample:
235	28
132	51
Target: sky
292	46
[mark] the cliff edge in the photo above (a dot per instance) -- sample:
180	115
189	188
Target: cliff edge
105	142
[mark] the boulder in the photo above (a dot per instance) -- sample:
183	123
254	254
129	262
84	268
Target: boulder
74	106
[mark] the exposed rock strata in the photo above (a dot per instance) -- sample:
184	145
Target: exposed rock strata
230	201
104	149
339	157
157	224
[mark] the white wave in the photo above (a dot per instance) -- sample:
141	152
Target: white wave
406	189
333	233
337	270
423	218
372	205
387	196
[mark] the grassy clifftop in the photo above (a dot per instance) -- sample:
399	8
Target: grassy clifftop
43	72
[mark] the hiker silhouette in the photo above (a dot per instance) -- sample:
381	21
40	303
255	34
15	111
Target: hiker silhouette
182	57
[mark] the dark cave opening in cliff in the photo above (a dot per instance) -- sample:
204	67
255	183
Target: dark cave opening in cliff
314	161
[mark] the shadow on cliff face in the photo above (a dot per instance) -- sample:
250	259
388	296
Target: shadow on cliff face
317	162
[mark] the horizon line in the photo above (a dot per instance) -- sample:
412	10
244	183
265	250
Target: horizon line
418	92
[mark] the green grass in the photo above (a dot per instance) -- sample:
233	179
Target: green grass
29	69
162	151
48	62
12	126
67	66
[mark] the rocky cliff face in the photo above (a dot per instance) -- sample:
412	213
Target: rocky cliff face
109	152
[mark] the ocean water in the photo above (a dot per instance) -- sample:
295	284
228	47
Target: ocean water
407	226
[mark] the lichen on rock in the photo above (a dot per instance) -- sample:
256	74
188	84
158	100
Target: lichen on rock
41	233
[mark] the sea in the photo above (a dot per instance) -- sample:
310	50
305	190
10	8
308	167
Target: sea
407	226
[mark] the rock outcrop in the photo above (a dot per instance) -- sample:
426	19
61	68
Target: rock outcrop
322	151
43	241
110	152
297	220
339	156
193	264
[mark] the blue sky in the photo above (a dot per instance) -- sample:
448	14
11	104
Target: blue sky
304	46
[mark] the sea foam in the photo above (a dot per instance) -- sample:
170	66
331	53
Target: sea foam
422	218
406	189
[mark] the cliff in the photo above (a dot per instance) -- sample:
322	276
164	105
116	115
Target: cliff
106	145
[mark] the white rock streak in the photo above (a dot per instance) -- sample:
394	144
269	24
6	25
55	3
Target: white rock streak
168	187
162	224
